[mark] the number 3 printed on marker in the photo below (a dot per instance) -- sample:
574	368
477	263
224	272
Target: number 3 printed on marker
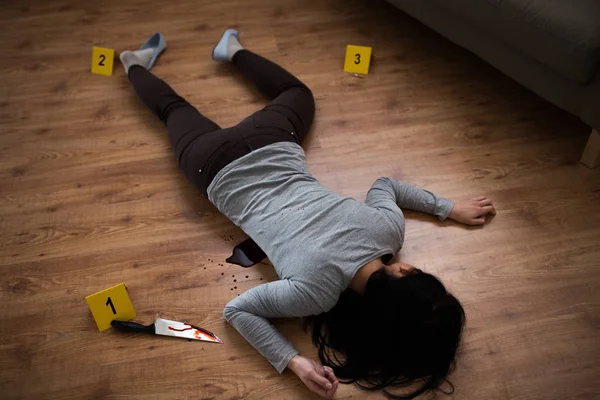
357	59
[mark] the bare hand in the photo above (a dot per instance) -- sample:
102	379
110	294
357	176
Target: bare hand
319	379
472	211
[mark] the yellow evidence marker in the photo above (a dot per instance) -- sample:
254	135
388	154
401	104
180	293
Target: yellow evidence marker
358	59
102	61
110	304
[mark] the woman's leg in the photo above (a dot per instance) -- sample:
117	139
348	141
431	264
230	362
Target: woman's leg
289	96
184	122
291	99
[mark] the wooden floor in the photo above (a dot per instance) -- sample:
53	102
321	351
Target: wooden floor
90	196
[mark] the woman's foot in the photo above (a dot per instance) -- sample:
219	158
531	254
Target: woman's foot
227	46
147	54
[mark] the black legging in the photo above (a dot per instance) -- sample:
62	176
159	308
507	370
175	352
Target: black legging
201	146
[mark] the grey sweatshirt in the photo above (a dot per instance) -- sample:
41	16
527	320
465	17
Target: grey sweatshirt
316	239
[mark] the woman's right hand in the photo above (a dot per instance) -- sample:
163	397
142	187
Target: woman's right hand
319	379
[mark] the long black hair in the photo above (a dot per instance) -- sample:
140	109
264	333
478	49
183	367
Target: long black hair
402	332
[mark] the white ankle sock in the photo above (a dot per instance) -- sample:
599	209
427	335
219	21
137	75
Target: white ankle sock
233	46
138	57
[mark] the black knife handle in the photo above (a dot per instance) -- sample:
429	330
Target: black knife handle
134	327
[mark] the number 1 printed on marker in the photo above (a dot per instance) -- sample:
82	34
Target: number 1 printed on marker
112	307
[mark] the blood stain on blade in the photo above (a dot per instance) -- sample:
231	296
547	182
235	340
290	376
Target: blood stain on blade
180	330
204	335
200	335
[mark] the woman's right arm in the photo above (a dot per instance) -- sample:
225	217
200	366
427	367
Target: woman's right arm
248	314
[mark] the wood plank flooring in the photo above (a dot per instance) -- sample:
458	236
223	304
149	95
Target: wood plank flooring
90	196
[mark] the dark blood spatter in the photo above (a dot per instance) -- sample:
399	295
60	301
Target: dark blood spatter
246	254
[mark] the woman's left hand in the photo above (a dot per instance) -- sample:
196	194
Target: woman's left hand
472	211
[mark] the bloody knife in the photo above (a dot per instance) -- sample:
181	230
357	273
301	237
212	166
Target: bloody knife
168	328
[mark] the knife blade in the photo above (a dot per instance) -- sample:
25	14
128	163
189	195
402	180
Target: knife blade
167	327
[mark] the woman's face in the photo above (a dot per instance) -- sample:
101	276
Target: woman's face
401	269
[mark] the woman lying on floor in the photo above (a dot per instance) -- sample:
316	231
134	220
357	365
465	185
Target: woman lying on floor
380	326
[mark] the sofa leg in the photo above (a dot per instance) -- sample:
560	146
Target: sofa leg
591	154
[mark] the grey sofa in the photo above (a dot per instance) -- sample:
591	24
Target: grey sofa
551	47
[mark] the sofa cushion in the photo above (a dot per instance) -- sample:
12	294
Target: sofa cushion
563	35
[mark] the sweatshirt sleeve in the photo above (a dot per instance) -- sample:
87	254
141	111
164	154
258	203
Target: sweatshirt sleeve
248	314
386	192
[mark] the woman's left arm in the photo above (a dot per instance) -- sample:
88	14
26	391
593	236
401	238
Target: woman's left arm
408	197
469	212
